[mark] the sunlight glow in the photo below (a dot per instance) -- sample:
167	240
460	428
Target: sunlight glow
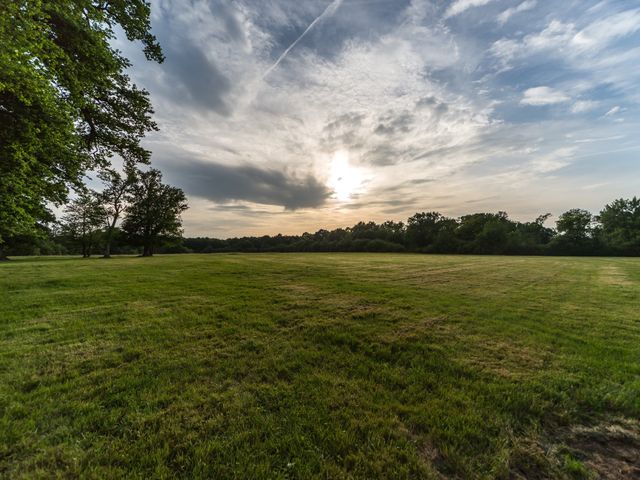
345	180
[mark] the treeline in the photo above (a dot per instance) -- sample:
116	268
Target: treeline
614	231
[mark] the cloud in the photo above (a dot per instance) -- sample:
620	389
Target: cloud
190	76
564	38
582	106
556	34
511	11
219	183
384	154
330	10
505	49
460	6
222	183
554	160
613	111
540	96
600	33
395	123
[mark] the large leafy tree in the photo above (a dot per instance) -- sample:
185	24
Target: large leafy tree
576	229
154	211
66	104
620	225
575	224
425	228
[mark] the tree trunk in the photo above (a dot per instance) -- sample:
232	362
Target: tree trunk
147	251
107	242
3	254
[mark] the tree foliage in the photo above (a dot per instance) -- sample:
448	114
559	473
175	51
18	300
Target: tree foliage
66	104
154	211
620	225
576	232
82	220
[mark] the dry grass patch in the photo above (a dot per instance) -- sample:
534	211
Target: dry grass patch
613	275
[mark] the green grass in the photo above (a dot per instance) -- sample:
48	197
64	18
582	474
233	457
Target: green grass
315	365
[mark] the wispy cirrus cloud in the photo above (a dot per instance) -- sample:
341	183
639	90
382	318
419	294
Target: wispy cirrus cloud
540	96
459	6
582	106
511	11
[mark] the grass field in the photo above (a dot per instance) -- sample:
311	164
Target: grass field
320	366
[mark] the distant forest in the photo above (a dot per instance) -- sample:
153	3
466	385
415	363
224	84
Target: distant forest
614	231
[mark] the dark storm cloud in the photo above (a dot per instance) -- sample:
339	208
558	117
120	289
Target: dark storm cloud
223	183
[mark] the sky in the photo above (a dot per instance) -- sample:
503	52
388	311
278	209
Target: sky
282	116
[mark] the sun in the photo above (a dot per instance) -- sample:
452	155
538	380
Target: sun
345	180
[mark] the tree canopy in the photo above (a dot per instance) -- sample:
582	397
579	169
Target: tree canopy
620	224
66	104
154	212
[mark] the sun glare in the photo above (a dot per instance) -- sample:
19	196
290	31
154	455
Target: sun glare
345	180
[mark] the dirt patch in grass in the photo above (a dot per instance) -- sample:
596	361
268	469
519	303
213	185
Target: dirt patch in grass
611	449
608	450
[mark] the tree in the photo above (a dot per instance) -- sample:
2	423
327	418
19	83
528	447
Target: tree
423	229
620	225
531	237
83	219
576	228
66	105
113	201
495	234
484	232
575	224
154	212
394	231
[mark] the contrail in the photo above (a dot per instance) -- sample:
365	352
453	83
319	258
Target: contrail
330	10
